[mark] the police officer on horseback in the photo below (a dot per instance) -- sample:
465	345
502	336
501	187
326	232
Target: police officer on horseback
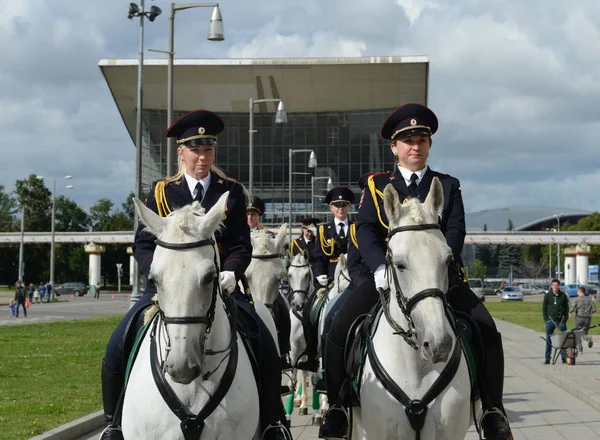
197	180
307	240
409	129
254	212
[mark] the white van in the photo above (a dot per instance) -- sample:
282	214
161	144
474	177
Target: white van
476	286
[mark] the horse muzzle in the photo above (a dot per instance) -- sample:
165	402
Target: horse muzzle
184	366
436	349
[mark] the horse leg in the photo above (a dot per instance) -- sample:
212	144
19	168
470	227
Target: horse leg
299	390
357	431
304	397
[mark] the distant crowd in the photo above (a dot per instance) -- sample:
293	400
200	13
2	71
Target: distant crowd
25	296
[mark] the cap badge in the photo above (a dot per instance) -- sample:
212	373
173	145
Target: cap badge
201	130
413	122
340	197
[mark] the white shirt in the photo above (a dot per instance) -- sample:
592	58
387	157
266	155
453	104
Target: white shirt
337	226
193	182
408	173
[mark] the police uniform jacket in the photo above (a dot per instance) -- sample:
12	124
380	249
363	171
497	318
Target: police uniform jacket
233	240
300	245
356	265
328	248
372	225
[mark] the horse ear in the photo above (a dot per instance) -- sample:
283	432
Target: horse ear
154	222
435	198
280	239
343	260
391	203
216	214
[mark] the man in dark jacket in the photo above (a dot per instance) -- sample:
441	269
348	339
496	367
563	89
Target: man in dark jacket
20	296
555	310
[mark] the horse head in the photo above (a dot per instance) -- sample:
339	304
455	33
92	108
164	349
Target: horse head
185	269
266	269
418	259
341	276
300	278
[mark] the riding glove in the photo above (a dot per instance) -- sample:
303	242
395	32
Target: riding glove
228	282
322	279
381	281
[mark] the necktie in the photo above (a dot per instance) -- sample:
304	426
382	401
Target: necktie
199	192
342	234
413	188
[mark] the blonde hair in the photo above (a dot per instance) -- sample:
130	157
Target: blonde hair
218	171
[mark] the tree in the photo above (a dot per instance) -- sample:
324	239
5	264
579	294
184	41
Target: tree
8	211
532	267
70	216
485	252
589	223
509	257
477	269
8	223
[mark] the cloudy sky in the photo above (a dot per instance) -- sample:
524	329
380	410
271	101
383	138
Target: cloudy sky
516	84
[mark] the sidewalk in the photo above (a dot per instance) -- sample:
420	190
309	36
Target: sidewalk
554	402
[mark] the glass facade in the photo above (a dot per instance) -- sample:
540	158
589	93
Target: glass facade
347	145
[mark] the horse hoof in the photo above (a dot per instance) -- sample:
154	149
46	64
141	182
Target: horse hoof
288	417
297	403
316	421
303	411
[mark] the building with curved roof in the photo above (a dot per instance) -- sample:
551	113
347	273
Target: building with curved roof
524	218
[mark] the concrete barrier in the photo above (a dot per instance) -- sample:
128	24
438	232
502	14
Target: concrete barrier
74	429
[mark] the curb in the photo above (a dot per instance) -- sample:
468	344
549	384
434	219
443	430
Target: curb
580	392
74	429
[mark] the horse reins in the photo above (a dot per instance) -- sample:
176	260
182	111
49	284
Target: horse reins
192	424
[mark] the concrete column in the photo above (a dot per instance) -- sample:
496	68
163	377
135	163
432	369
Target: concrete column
570	265
131	264
95	252
583	252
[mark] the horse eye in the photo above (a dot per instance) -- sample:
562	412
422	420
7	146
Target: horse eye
400	266
207	278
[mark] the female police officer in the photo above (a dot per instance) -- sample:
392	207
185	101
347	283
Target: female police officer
197	180
410	129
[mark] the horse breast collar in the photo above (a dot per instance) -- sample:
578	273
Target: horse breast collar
192	425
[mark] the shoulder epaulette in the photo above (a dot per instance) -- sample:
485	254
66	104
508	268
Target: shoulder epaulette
161	198
353	235
374	194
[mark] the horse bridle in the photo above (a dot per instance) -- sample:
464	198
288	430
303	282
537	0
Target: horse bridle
407	305
268	257
208	318
304	292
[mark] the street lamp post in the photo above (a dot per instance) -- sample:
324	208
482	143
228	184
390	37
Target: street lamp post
280	118
215	33
312	163
312	190
21	245
558	271
52	225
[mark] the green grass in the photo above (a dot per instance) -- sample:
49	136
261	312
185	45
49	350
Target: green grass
50	374
529	314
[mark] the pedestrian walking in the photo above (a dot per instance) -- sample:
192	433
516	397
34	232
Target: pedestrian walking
583	306
20	295
97	291
555	310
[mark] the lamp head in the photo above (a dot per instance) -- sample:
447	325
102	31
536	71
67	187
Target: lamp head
281	114
134	11
216	32
155	11
312	160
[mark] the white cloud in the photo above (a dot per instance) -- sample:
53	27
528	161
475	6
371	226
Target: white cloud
515	87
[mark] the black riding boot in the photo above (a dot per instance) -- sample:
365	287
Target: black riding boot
335	421
112	385
494	422
284	328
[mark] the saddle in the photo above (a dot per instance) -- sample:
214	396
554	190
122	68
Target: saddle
364	327
310	320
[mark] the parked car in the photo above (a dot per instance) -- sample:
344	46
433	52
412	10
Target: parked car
532	289
490	289
71	288
476	286
571	289
511	293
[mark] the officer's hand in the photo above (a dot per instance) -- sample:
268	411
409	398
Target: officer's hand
322	279
381	281
228	282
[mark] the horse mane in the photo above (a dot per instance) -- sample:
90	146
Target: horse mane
264	243
417	213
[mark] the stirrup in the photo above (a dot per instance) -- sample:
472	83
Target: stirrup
278	426
109	429
495	410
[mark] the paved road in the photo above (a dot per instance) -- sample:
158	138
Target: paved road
70	308
536	399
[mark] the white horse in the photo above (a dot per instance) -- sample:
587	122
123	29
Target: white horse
425	362
265	272
192	359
